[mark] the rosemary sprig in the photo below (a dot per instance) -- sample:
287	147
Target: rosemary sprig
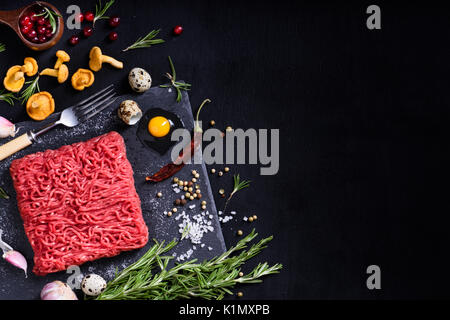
146	41
238	185
8	97
52	17
3	194
30	90
211	279
100	11
2	47
177	85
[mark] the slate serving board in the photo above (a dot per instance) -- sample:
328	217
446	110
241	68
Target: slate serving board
14	285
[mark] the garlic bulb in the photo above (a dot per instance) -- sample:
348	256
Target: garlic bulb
7	129
57	290
12	256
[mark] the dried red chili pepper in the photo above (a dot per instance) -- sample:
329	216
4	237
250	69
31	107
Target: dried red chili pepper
171	168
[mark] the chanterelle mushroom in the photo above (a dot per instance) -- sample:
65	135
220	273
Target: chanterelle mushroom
62	57
30	66
96	58
82	78
14	79
62	73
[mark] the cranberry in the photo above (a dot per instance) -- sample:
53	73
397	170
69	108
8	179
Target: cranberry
25	20
31	34
80	18
89	16
42	38
41	21
114	21
87	31
41	29
48	25
25	29
33	17
113	36
177	30
49	33
35	39
74	40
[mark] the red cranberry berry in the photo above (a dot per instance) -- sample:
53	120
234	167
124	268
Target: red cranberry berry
25	20
79	18
87	31
113	36
74	40
41	29
35	39
114	21
25	29
40	21
89	16
31	34
33	16
42	38
49	33
177	30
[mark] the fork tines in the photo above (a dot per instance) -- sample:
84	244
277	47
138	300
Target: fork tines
94	104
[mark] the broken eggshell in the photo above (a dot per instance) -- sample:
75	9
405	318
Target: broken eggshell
139	79
129	112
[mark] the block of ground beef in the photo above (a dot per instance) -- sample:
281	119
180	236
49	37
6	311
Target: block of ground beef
79	203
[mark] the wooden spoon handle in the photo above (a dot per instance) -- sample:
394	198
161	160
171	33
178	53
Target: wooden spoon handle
11	18
13	146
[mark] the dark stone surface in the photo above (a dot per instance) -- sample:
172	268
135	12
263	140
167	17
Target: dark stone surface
144	162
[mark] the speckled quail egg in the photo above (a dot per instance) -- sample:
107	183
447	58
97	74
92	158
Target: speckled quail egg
139	79
93	284
129	112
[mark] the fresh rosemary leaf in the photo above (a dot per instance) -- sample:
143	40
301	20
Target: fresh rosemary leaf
2	47
211	279
3	194
8	97
100	11
177	85
238	185
146	41
52	17
30	90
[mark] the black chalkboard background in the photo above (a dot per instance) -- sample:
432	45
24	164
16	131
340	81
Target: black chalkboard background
363	117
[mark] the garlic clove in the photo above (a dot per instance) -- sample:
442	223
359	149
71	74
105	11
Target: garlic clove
17	260
7	129
57	290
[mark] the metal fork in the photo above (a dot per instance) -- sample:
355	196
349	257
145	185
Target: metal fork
70	117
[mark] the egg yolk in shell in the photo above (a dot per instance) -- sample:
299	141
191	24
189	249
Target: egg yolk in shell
159	126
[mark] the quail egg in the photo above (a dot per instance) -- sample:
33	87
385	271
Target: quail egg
139	79
129	112
93	284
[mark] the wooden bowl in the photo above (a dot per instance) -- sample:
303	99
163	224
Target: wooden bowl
12	17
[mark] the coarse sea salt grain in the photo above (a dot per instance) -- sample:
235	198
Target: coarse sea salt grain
194	227
192	206
176	190
245	218
233	212
219	213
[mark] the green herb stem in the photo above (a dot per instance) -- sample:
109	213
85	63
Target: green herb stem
8	97
238	185
52	17
146	42
177	85
30	90
3	194
211	279
100	11
2	47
